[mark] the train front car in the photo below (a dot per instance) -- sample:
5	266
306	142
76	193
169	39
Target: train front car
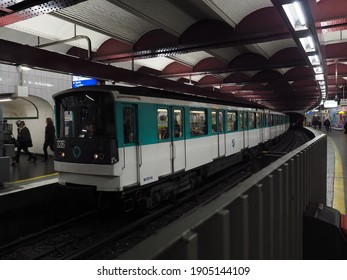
86	148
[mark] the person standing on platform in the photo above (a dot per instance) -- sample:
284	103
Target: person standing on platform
327	125
24	142
345	127
49	138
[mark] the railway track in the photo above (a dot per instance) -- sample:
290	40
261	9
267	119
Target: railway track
293	138
102	235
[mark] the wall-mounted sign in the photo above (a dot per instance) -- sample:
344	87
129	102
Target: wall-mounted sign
330	104
78	81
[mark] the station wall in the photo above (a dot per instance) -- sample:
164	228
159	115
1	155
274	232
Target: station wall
35	108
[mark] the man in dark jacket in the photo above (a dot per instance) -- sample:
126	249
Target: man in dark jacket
24	142
327	125
49	137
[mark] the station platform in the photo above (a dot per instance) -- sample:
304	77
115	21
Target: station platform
27	174
337	170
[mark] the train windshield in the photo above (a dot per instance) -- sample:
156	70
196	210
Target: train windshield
85	115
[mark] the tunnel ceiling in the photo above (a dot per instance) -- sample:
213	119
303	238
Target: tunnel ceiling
233	50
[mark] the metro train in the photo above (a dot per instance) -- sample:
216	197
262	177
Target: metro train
148	145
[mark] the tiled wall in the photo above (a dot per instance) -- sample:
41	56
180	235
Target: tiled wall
9	78
40	83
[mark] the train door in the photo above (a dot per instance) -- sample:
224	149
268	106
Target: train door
130	149
171	139
260	126
243	118
271	130
218	130
178	146
221	133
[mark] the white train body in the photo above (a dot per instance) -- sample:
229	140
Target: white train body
143	139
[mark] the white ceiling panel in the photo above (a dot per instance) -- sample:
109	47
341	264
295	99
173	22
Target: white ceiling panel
164	16
192	58
270	48
157	63
233	11
108	19
56	29
227	54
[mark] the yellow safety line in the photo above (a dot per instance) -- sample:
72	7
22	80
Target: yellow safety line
339	193
34	178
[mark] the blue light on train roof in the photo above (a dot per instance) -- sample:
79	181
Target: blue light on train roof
78	81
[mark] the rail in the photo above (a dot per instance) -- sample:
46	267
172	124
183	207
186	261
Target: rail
260	218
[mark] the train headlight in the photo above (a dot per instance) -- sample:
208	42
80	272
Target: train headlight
99	156
61	154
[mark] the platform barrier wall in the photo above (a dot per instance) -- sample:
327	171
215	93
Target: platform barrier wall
260	218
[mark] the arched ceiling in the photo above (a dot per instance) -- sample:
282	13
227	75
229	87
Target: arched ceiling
214	48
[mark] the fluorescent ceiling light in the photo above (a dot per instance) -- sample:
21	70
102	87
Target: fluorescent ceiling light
296	16
314	59
307	44
318	70
5	99
26	68
322	83
319	77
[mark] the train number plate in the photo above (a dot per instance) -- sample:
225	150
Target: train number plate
61	144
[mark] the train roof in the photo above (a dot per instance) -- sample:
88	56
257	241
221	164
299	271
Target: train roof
159	93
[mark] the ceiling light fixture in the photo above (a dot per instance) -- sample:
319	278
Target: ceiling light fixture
307	44
295	15
319	77
5	99
314	59
304	34
26	68
318	70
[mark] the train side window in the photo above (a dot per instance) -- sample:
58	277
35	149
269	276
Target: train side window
221	121
232	121
241	121
198	122
251	120
214	121
258	119
178	123
163	124
128	125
